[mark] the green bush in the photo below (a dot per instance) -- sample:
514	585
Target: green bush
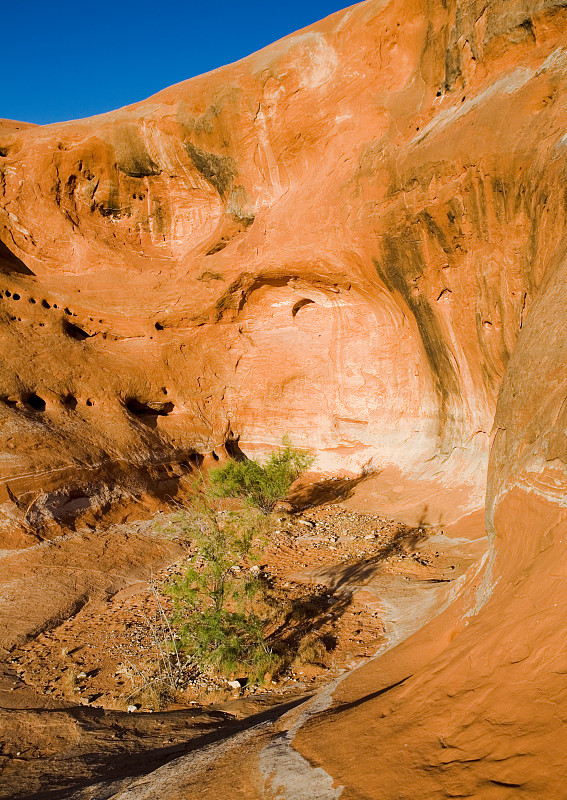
261	485
214	598
216	602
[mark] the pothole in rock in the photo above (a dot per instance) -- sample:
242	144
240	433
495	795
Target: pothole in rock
74	331
140	409
35	402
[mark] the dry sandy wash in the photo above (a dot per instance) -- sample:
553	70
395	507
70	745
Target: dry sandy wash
357	236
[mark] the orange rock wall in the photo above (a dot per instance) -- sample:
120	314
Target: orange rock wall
352	236
338	237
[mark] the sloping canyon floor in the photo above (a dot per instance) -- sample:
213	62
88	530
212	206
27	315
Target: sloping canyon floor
353	580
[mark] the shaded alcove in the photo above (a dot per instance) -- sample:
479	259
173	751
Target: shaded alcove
10	263
146	413
74	332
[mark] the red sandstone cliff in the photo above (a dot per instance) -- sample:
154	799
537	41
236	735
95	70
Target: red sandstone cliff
336	237
356	236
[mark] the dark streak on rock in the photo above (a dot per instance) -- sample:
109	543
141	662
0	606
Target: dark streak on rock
132	158
435	231
219	171
402	264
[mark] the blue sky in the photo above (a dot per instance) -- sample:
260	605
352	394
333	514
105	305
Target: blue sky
66	60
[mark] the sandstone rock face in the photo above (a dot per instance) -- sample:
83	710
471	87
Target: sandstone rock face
314	241
355	236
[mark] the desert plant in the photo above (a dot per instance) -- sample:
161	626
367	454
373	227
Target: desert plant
216	602
147	688
260	485
311	650
213	598
154	682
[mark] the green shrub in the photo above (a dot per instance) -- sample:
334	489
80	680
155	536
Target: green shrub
261	485
214	598
216	602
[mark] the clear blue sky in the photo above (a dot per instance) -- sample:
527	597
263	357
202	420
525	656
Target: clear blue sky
66	60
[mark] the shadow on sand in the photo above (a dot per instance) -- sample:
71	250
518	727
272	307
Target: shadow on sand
330	490
340	577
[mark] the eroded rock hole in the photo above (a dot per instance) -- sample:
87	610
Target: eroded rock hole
36	402
90	402
74	331
158	326
45	304
305	301
70	402
195	460
140	409
15	296
8	293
